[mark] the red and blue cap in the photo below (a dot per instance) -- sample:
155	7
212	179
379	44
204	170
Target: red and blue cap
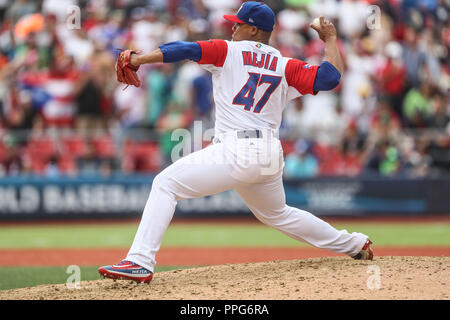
254	13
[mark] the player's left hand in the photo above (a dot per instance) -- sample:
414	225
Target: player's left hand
125	70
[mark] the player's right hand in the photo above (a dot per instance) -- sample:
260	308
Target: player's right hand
325	29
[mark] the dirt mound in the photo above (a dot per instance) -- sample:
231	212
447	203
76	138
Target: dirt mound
319	278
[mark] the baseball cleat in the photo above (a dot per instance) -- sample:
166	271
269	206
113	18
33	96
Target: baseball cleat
366	252
126	270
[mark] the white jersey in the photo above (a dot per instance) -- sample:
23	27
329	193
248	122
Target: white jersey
252	83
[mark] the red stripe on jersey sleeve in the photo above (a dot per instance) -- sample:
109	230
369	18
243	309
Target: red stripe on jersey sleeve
213	52
301	76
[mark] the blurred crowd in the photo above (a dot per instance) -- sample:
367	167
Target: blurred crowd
63	112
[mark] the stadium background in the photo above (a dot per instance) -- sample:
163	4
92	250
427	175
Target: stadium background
78	153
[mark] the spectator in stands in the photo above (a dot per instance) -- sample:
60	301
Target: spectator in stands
384	121
60	84
3	7
419	162
202	96
353	142
90	164
352	17
28	52
22	118
130	106
384	160
52	169
88	115
350	152
393	77
417	107
295	123
441	111
432	68
93	92
174	117
439	150
338	125
413	57
357	86
159	81
77	45
20	8
59	7
107	167
14	163
301	163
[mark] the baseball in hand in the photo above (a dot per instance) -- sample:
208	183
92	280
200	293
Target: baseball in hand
316	22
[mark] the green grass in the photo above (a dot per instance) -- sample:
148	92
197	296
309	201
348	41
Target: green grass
21	277
435	234
67	236
210	235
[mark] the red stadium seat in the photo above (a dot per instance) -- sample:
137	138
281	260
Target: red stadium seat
3	152
329	159
41	149
67	164
38	165
74	146
324	152
329	168
352	165
104	146
288	146
336	164
141	157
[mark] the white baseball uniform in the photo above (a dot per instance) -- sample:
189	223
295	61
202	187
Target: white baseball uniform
252	83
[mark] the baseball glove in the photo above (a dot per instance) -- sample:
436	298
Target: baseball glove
126	72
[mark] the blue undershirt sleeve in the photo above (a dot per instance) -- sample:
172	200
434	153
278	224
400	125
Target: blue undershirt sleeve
181	50
327	77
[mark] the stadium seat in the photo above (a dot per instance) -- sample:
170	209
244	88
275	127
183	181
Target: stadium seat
329	159
288	146
3	152
104	146
41	148
38	152
352	165
67	164
74	146
141	157
38	165
324	152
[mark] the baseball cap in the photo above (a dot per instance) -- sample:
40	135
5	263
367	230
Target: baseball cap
254	13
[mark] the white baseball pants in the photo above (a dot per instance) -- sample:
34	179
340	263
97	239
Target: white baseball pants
253	168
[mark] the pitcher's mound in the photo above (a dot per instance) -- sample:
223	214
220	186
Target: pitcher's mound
319	278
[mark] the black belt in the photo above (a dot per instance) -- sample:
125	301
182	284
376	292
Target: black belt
248	134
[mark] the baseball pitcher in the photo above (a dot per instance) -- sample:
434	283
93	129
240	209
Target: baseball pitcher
252	83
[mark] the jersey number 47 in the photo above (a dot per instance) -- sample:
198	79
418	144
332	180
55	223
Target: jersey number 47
245	97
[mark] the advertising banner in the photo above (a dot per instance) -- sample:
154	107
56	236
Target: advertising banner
29	198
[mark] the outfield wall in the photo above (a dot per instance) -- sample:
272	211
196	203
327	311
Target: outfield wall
34	198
